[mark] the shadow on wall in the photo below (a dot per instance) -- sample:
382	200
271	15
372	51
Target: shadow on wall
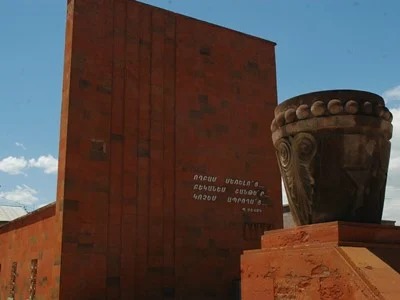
289	223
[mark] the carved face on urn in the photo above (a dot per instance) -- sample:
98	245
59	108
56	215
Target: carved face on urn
333	151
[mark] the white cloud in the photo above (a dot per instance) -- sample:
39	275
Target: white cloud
392	202
394	164
20	145
42	205
392	94
13	165
16	165
48	163
284	195
22	194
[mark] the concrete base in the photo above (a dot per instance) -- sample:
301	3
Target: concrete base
334	260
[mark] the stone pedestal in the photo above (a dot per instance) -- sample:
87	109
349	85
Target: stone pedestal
336	260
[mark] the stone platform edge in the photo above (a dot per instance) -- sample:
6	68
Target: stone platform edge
332	233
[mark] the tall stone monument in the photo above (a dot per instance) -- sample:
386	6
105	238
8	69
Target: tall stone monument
165	176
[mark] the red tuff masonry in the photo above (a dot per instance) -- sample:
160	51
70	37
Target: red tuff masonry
166	167
335	260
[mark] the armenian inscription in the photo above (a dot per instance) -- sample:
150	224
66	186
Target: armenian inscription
250	195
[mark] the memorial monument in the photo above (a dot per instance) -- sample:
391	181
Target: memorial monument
165	175
333	150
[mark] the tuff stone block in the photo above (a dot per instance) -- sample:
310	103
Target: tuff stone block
335	260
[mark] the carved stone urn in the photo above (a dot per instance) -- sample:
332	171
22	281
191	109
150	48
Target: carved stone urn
333	151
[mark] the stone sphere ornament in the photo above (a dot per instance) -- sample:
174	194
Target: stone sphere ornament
333	151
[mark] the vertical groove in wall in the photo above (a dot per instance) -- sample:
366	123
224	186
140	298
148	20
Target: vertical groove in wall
108	82
130	159
123	153
143	149
138	217
156	148
148	137
169	155
174	111
113	280
110	164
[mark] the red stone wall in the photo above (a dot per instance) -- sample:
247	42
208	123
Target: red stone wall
166	171
28	238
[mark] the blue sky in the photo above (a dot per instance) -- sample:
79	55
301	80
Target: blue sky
320	45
